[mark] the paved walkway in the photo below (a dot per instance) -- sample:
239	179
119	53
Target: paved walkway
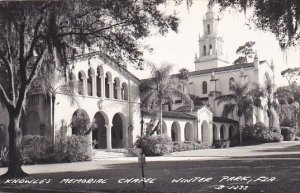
283	150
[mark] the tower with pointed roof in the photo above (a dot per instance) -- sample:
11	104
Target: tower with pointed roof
210	44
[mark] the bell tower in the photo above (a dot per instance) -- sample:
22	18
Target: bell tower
210	44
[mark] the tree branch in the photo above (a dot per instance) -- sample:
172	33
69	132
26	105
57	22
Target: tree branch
34	40
95	31
3	96
10	75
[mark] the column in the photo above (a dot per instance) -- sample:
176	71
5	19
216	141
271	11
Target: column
119	93
102	86
108	137
111	92
94	86
125	135
85	87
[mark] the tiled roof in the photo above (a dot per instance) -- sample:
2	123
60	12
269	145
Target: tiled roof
221	69
224	120
172	114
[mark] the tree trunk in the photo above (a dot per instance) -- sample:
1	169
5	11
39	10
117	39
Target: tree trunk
241	131
14	154
160	119
52	102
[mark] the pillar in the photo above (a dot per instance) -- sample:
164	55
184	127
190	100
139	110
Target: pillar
119	93
111	92
94	86
85	86
102	86
108	137
218	133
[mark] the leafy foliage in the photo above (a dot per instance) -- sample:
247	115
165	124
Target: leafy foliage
189	145
288	133
279	17
162	88
291	74
259	133
245	52
3	157
244	99
223	143
155	145
35	149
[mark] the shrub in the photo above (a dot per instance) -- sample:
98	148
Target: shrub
223	143
188	146
3	157
35	149
297	138
155	145
288	133
76	148
259	133
181	146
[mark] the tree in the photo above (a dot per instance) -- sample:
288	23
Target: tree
289	100
245	98
291	74
279	17
33	32
49	82
245	52
272	105
160	89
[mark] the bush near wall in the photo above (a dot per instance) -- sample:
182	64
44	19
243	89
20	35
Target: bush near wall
155	145
38	149
35	149
259	133
223	143
188	146
288	133
76	148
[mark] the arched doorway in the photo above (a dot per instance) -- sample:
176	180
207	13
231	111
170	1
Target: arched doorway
205	132
99	130
80	121
215	132
222	131
117	131
231	132
188	132
175	131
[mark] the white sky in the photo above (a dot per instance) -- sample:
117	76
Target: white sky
179	48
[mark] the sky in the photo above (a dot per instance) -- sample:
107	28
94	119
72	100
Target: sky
179	49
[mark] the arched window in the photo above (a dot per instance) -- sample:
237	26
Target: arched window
210	49
204	50
231	84
204	87
124	92
107	85
116	88
98	80
72	79
81	80
208	29
91	75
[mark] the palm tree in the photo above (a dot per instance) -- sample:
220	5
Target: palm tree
245	98
162	88
272	105
51	81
